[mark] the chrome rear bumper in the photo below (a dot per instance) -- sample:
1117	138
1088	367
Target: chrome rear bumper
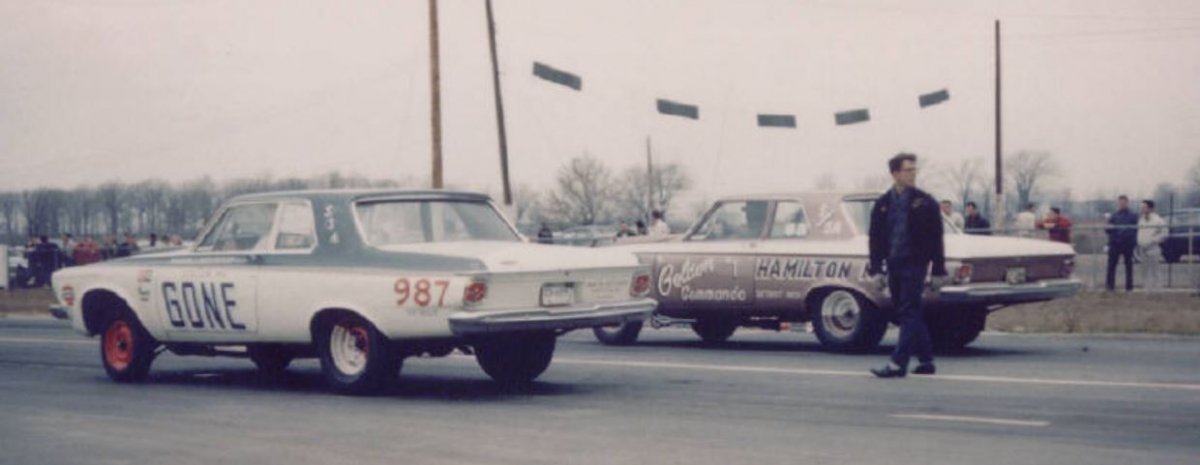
1002	293
553	318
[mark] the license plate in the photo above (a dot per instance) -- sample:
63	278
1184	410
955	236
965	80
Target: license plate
1014	276
558	294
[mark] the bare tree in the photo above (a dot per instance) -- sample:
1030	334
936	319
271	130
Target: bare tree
10	209
43	208
668	181
874	182
111	199
1027	170
584	193
1192	183
961	179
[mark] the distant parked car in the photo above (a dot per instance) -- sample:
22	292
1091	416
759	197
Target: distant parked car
1184	237
360	280
773	260
587	236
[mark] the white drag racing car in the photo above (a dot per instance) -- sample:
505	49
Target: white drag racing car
360	279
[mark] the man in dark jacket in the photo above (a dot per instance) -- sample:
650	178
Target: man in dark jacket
975	223
906	234
1122	239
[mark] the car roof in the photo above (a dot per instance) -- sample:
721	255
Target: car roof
350	195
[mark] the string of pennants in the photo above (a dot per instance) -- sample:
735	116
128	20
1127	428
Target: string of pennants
691	111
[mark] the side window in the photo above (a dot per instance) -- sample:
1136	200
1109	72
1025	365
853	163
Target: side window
790	221
734	220
241	227
295	230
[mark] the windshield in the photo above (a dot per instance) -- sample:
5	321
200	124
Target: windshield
415	221
860	214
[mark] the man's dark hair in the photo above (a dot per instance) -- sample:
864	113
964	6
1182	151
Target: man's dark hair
972	204
1123	197
898	161
1149	203
656	214
1056	210
43	239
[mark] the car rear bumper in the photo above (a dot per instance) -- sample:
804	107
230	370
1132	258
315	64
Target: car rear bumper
1001	293
545	319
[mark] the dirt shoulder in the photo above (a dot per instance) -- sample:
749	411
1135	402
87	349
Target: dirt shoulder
1095	312
26	302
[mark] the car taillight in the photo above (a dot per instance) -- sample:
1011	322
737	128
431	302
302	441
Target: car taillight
474	292
640	286
963	274
1068	267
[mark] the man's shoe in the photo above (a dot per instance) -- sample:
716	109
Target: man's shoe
889	371
925	369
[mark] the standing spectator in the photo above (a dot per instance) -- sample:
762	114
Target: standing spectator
1151	233
153	241
658	226
545	235
1058	225
1025	221
955	218
87	252
906	233
43	261
641	228
129	247
976	223
625	231
67	251
109	248
1122	238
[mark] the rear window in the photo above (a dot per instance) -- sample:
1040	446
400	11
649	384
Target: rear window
415	221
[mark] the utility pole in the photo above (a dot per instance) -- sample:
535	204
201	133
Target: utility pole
998	212
649	180
435	99
503	135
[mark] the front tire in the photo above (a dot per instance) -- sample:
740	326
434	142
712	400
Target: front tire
620	335
515	359
355	357
847	322
714	330
126	349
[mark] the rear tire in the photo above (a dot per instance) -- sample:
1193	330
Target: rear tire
620	335
714	330
355	357
126	349
270	358
846	322
515	359
953	329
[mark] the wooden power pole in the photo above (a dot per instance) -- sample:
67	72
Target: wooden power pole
435	99
502	133
998	205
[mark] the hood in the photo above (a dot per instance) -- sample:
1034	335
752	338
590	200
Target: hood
520	256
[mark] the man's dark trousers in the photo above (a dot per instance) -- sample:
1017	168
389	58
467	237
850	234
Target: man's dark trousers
1114	252
906	281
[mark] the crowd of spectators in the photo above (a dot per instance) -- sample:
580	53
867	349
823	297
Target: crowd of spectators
44	256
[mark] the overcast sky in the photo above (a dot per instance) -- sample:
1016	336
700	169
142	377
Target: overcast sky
94	90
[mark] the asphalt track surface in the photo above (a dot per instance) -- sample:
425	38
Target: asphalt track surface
762	398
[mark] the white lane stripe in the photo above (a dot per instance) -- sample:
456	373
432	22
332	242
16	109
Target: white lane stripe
984	420
862	374
39	340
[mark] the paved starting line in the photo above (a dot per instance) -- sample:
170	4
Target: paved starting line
865	374
960	419
777	370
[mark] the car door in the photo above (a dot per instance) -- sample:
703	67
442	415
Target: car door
716	273
211	294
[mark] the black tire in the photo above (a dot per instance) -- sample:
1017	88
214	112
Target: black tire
846	322
620	335
714	330
270	358
355	357
952	329
515	359
126	349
